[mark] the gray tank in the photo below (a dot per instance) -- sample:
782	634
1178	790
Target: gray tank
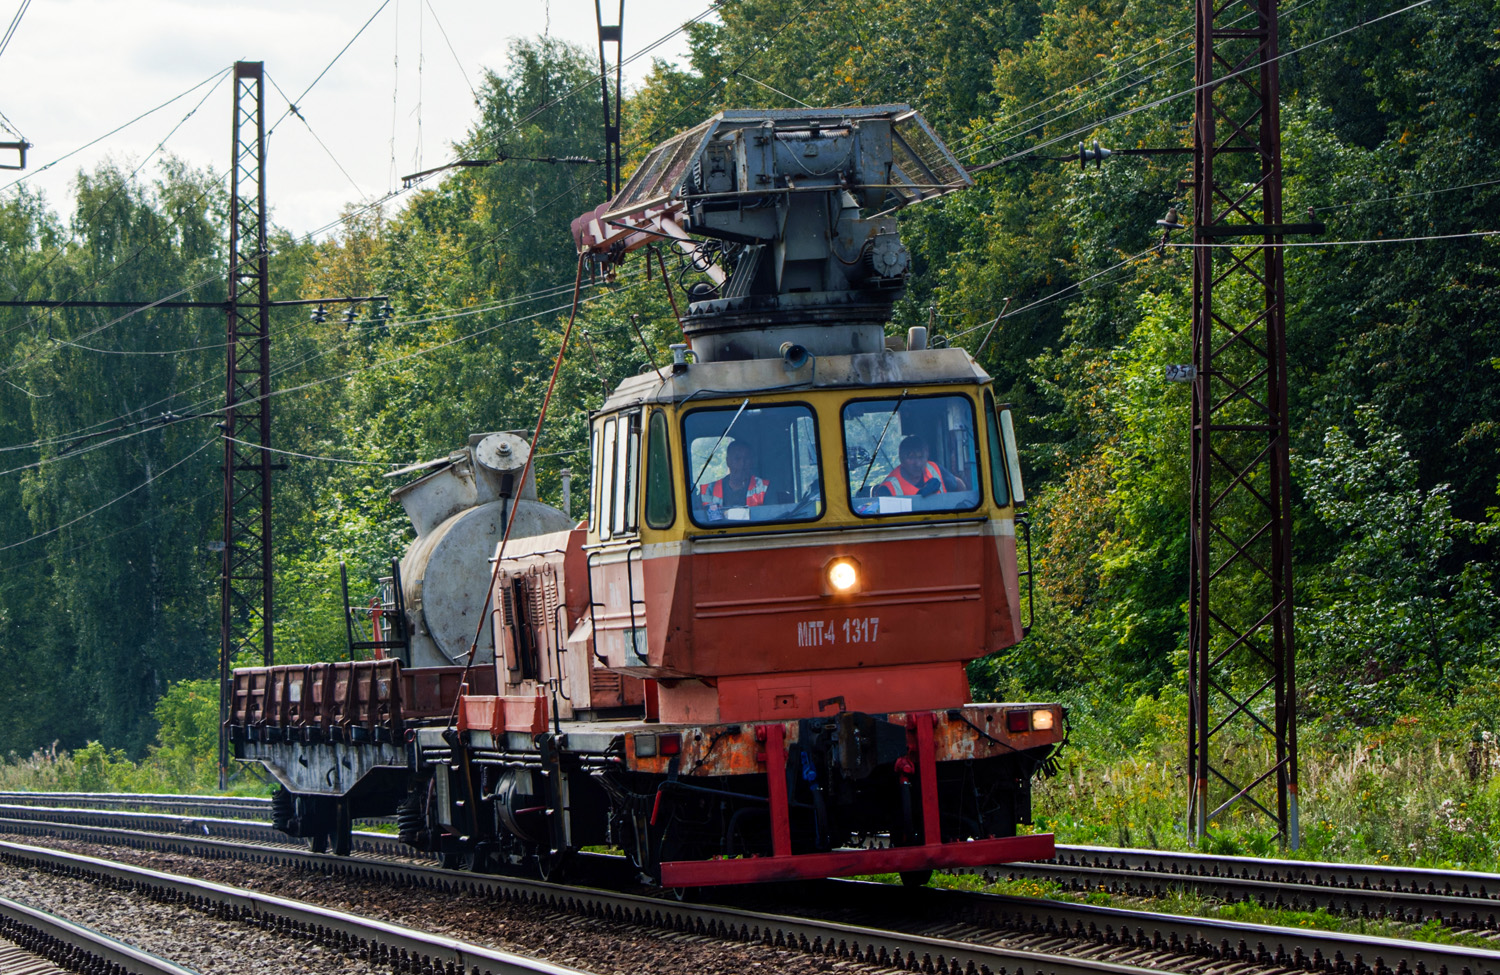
459	509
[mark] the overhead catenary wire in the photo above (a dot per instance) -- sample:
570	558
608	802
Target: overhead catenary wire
1403	196
503	233
292	104
321	144
151	425
331	460
280	369
1344	243
496	139
167	510
293	109
967	147
985	131
1156	103
11	30
217	75
36	275
456	60
118	319
150	479
1056	295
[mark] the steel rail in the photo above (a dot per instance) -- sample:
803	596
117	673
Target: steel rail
1456	898
1369	876
78	948
1046	920
405	948
1173	865
907	950
1300	948
378	844
226	807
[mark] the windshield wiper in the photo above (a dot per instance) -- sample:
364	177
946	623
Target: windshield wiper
876	452
709	459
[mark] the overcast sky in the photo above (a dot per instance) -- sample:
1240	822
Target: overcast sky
75	69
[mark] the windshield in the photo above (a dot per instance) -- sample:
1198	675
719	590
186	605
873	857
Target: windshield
752	465
911	453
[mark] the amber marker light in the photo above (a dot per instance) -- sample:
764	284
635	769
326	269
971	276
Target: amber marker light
843	576
1041	720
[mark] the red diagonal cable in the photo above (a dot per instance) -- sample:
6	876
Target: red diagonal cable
525	472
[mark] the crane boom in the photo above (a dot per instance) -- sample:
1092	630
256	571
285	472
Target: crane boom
790	213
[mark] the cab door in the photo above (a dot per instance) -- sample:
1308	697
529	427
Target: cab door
616	579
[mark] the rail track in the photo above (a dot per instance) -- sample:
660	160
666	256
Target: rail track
403	949
72	947
874	924
1458	899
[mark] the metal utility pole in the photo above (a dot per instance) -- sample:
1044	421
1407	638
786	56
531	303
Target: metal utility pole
610	34
1241	649
245	586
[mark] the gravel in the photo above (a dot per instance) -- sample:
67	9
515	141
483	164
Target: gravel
212	946
174	932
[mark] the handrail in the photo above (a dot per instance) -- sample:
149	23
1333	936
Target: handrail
1030	575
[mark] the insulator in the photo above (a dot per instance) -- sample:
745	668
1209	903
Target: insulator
350	313
319	315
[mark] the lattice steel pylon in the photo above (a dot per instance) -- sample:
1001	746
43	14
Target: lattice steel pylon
611	34
1241	648
245	584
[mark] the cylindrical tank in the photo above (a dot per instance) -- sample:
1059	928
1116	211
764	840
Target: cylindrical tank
460	510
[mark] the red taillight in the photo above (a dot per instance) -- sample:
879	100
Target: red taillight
1018	722
669	744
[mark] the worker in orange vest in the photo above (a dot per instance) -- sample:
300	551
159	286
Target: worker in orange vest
740	487
915	474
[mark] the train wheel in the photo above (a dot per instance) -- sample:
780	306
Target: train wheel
552	867
318	842
915	878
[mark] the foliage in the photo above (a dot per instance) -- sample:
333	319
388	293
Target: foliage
1394	611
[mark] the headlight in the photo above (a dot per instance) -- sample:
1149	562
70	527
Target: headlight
1041	720
843	575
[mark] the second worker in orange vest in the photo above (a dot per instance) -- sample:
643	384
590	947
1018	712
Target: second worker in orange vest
740	487
915	474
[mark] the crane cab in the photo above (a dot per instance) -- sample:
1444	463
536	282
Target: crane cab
773	539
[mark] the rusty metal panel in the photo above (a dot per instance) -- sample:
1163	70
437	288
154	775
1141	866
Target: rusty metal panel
429	692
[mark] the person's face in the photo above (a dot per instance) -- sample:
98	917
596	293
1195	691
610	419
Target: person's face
739	460
914	463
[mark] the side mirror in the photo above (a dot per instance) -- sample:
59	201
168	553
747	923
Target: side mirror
1012	458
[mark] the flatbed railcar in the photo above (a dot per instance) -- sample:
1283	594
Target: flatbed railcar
748	663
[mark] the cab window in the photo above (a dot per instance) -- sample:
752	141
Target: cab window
911	454
660	509
616	464
998	467
752	464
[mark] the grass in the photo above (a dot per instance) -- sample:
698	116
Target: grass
1421	791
